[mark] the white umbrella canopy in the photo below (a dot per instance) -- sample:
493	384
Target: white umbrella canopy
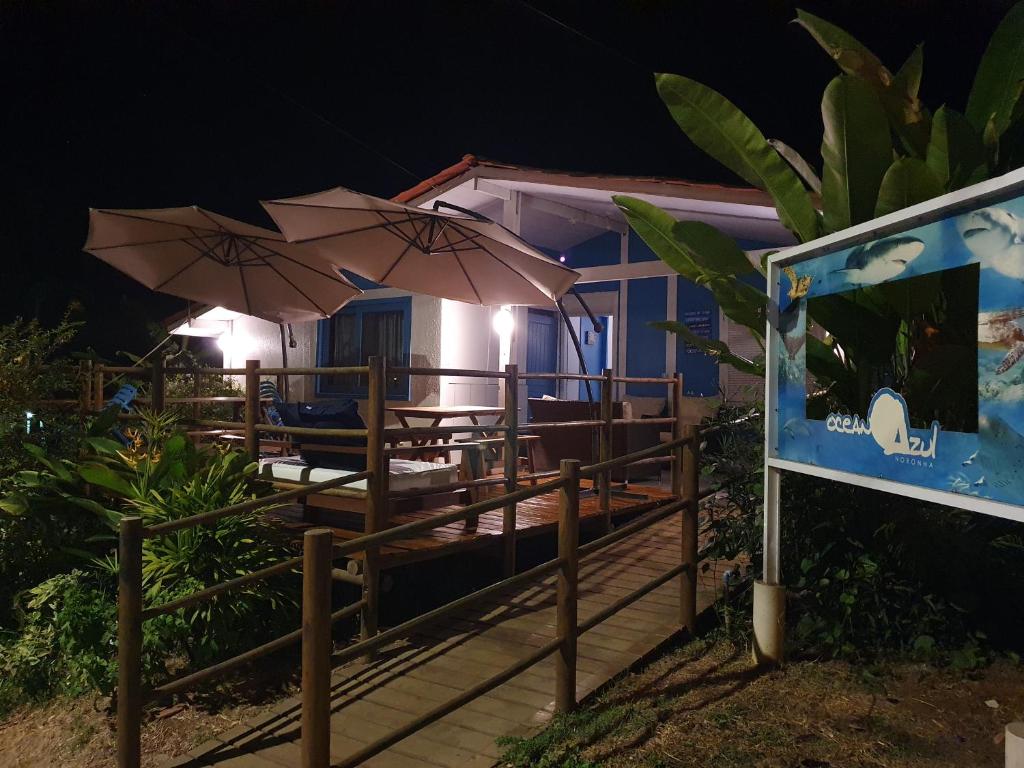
201	256
432	252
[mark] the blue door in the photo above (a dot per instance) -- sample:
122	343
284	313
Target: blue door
541	350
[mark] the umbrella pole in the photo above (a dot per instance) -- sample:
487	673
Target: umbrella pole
284	362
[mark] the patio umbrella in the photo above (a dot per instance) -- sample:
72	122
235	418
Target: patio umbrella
452	256
202	256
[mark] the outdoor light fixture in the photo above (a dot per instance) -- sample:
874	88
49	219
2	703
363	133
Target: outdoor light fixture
504	322
234	345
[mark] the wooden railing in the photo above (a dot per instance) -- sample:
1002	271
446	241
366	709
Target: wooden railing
318	556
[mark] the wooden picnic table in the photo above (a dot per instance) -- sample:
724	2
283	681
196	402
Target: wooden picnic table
439	413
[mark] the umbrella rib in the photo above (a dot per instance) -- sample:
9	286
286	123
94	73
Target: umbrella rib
464	272
245	288
408	244
387	225
203	253
486	250
335	277
137	244
148	219
301	292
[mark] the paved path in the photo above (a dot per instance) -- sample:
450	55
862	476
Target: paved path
449	657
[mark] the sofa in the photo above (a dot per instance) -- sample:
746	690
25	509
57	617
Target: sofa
581	442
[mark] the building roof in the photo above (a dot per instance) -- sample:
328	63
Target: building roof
474	166
568	207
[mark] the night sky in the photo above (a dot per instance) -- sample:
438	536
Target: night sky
153	104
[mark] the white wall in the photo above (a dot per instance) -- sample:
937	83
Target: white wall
468	341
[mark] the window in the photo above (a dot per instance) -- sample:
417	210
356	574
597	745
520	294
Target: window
364	329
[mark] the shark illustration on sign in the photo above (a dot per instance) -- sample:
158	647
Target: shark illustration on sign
996	237
881	260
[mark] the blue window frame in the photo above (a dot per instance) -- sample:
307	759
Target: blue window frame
361	330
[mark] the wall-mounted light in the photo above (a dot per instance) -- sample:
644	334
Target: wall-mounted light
504	322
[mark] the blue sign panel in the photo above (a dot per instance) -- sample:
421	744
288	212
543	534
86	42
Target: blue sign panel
917	340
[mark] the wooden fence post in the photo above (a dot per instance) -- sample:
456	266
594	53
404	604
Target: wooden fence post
252	408
605	480
568	578
377	487
688	578
511	455
196	390
677	432
316	648
157	385
129	644
97	387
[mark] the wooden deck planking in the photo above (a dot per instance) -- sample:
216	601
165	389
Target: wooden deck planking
449	656
534	517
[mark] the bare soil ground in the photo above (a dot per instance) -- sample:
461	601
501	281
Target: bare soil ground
700	707
78	733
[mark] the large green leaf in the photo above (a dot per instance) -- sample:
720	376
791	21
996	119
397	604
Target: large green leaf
856	149
711	249
656	228
898	94
955	150
105	477
907	182
908	78
719	350
702	255
718	127
801	166
998	79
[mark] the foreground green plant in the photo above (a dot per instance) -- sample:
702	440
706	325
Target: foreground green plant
160	476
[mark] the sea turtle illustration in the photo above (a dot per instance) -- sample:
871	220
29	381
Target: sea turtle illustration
1003	329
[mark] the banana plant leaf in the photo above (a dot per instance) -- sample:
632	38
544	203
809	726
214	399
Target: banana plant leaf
856	149
801	166
716	349
955	151
997	82
907	115
718	127
907	182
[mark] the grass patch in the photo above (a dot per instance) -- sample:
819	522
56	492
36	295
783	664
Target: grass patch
705	705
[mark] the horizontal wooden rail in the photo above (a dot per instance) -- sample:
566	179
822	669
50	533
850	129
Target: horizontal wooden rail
647	519
448	487
467	372
560	376
275	430
652	421
197	371
642	380
246	506
629	458
406	628
449	706
399	433
437	521
345	370
216	670
632	597
225	586
122	369
536	426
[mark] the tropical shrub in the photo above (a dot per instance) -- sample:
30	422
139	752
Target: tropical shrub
160	476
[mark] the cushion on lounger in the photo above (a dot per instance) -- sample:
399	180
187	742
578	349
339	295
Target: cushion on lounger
332	414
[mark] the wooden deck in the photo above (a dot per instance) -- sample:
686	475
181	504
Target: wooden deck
534	517
449	657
